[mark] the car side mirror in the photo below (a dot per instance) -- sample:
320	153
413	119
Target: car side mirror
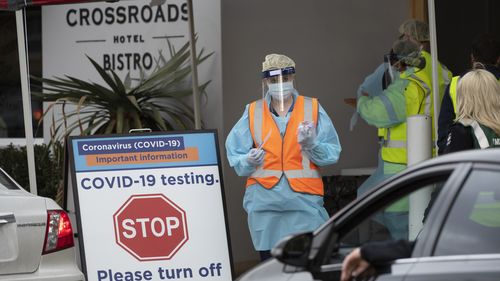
294	250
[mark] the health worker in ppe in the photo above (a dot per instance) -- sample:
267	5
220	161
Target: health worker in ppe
279	144
418	32
408	95
374	85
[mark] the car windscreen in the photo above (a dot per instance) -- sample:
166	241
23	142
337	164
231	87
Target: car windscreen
6	182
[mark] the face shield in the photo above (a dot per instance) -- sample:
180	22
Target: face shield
278	84
391	73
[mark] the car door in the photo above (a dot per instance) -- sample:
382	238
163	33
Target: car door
467	245
370	219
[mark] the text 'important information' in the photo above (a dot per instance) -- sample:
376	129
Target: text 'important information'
150	207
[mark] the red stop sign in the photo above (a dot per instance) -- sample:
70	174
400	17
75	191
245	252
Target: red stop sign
150	227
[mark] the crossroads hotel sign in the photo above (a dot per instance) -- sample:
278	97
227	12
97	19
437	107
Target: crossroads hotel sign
128	37
126	15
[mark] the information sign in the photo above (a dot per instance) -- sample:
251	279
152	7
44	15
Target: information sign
150	206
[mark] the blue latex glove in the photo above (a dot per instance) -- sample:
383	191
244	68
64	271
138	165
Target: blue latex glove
255	156
306	134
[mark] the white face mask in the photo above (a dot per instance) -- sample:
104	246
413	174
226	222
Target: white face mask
277	88
280	96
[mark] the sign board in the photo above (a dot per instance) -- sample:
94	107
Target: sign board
150	206
130	37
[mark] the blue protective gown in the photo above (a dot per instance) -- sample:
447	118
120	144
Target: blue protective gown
277	212
374	111
384	111
373	86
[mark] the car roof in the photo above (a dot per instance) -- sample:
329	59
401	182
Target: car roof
491	155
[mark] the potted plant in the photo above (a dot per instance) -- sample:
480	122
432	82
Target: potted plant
156	102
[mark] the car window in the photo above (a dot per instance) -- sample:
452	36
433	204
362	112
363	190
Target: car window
473	224
6	182
395	219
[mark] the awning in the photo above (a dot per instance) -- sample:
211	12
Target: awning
12	5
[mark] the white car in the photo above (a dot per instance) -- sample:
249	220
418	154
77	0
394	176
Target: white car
36	237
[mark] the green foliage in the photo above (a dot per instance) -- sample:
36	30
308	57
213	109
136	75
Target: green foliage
48	167
157	102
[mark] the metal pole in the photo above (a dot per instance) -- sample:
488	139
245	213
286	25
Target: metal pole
194	68
22	47
434	59
419	148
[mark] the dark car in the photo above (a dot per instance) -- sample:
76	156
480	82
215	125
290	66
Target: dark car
453	218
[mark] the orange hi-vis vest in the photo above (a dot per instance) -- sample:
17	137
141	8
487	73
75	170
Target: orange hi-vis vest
283	154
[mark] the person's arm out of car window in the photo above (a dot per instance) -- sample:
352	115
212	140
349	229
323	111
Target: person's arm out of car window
358	263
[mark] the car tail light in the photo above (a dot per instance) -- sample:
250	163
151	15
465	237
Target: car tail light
59	234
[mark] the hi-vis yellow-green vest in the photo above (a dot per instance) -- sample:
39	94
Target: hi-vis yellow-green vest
394	147
453	92
444	75
419	100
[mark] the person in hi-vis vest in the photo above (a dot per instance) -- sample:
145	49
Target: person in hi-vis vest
418	32
279	144
486	51
408	95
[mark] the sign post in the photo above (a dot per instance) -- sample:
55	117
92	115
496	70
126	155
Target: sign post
150	206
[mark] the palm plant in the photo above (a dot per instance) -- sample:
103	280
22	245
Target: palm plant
157	102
